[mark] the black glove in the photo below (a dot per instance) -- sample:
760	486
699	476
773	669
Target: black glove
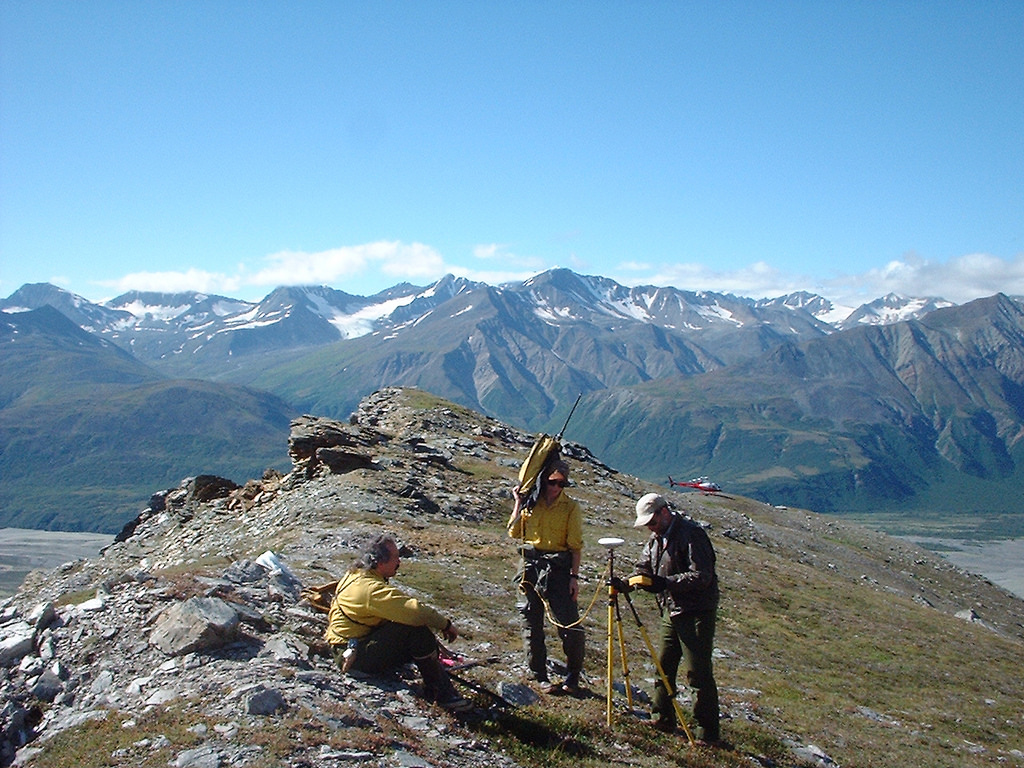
620	585
658	584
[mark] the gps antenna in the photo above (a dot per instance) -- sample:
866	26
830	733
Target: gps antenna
571	411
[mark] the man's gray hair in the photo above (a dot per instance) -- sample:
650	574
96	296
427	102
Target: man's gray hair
376	552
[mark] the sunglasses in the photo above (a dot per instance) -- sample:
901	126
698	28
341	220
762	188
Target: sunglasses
559	483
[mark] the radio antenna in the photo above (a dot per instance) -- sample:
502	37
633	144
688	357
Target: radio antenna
571	411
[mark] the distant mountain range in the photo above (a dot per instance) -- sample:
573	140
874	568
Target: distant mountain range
905	403
87	431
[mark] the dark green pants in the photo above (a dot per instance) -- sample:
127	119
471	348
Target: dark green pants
689	638
391	645
555	587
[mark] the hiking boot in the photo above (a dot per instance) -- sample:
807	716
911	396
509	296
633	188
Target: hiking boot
456	704
664	724
438	688
568	687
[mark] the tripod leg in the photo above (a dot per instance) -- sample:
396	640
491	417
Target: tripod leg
611	658
669	689
625	663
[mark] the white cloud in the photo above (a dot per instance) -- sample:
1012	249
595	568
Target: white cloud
370	267
962	279
635	266
174	281
396	259
489	251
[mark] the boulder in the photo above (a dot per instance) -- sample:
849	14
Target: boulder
16	641
199	623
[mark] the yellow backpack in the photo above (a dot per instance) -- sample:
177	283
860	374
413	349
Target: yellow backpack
545	448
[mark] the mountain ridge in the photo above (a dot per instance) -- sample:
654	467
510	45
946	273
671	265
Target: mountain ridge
86	429
891	413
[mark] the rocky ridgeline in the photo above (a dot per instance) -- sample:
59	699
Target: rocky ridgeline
195	609
181	610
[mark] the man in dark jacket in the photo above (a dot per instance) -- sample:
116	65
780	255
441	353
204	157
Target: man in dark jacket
679	563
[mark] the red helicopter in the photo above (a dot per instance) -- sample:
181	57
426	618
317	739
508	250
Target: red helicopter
700	483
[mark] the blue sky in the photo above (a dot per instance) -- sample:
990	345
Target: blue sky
848	148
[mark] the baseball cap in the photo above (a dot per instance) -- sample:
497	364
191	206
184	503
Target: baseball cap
647	507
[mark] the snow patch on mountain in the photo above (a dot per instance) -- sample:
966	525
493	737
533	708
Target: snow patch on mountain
717	312
364	321
635	307
893	308
157	312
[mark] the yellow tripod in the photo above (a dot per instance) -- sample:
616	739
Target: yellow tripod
615	627
614	622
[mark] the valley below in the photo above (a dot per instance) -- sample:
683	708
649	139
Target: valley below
23	550
1000	561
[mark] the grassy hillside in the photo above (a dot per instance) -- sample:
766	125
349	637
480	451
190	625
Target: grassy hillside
756	437
829	635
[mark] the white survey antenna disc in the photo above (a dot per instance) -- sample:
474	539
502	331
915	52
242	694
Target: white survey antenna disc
611	542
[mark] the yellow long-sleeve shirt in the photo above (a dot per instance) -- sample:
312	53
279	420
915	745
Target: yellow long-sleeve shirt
364	600
553	527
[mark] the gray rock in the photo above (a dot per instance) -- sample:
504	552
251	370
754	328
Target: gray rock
244	572
405	759
265	701
517	693
287	649
47	686
815	756
201	757
968	614
161	696
15	643
200	623
42	616
102	682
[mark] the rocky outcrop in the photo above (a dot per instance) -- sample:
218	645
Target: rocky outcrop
315	442
148	625
246	653
198	624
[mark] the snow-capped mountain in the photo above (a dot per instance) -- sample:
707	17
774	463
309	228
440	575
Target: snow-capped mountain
700	382
890	309
158	325
161	326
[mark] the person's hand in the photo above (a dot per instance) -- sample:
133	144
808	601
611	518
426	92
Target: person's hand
574	588
450	633
658	583
620	585
518	500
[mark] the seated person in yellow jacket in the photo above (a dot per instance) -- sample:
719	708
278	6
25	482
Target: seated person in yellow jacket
387	628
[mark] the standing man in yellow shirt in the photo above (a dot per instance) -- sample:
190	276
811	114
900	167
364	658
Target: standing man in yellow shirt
385	628
552	543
